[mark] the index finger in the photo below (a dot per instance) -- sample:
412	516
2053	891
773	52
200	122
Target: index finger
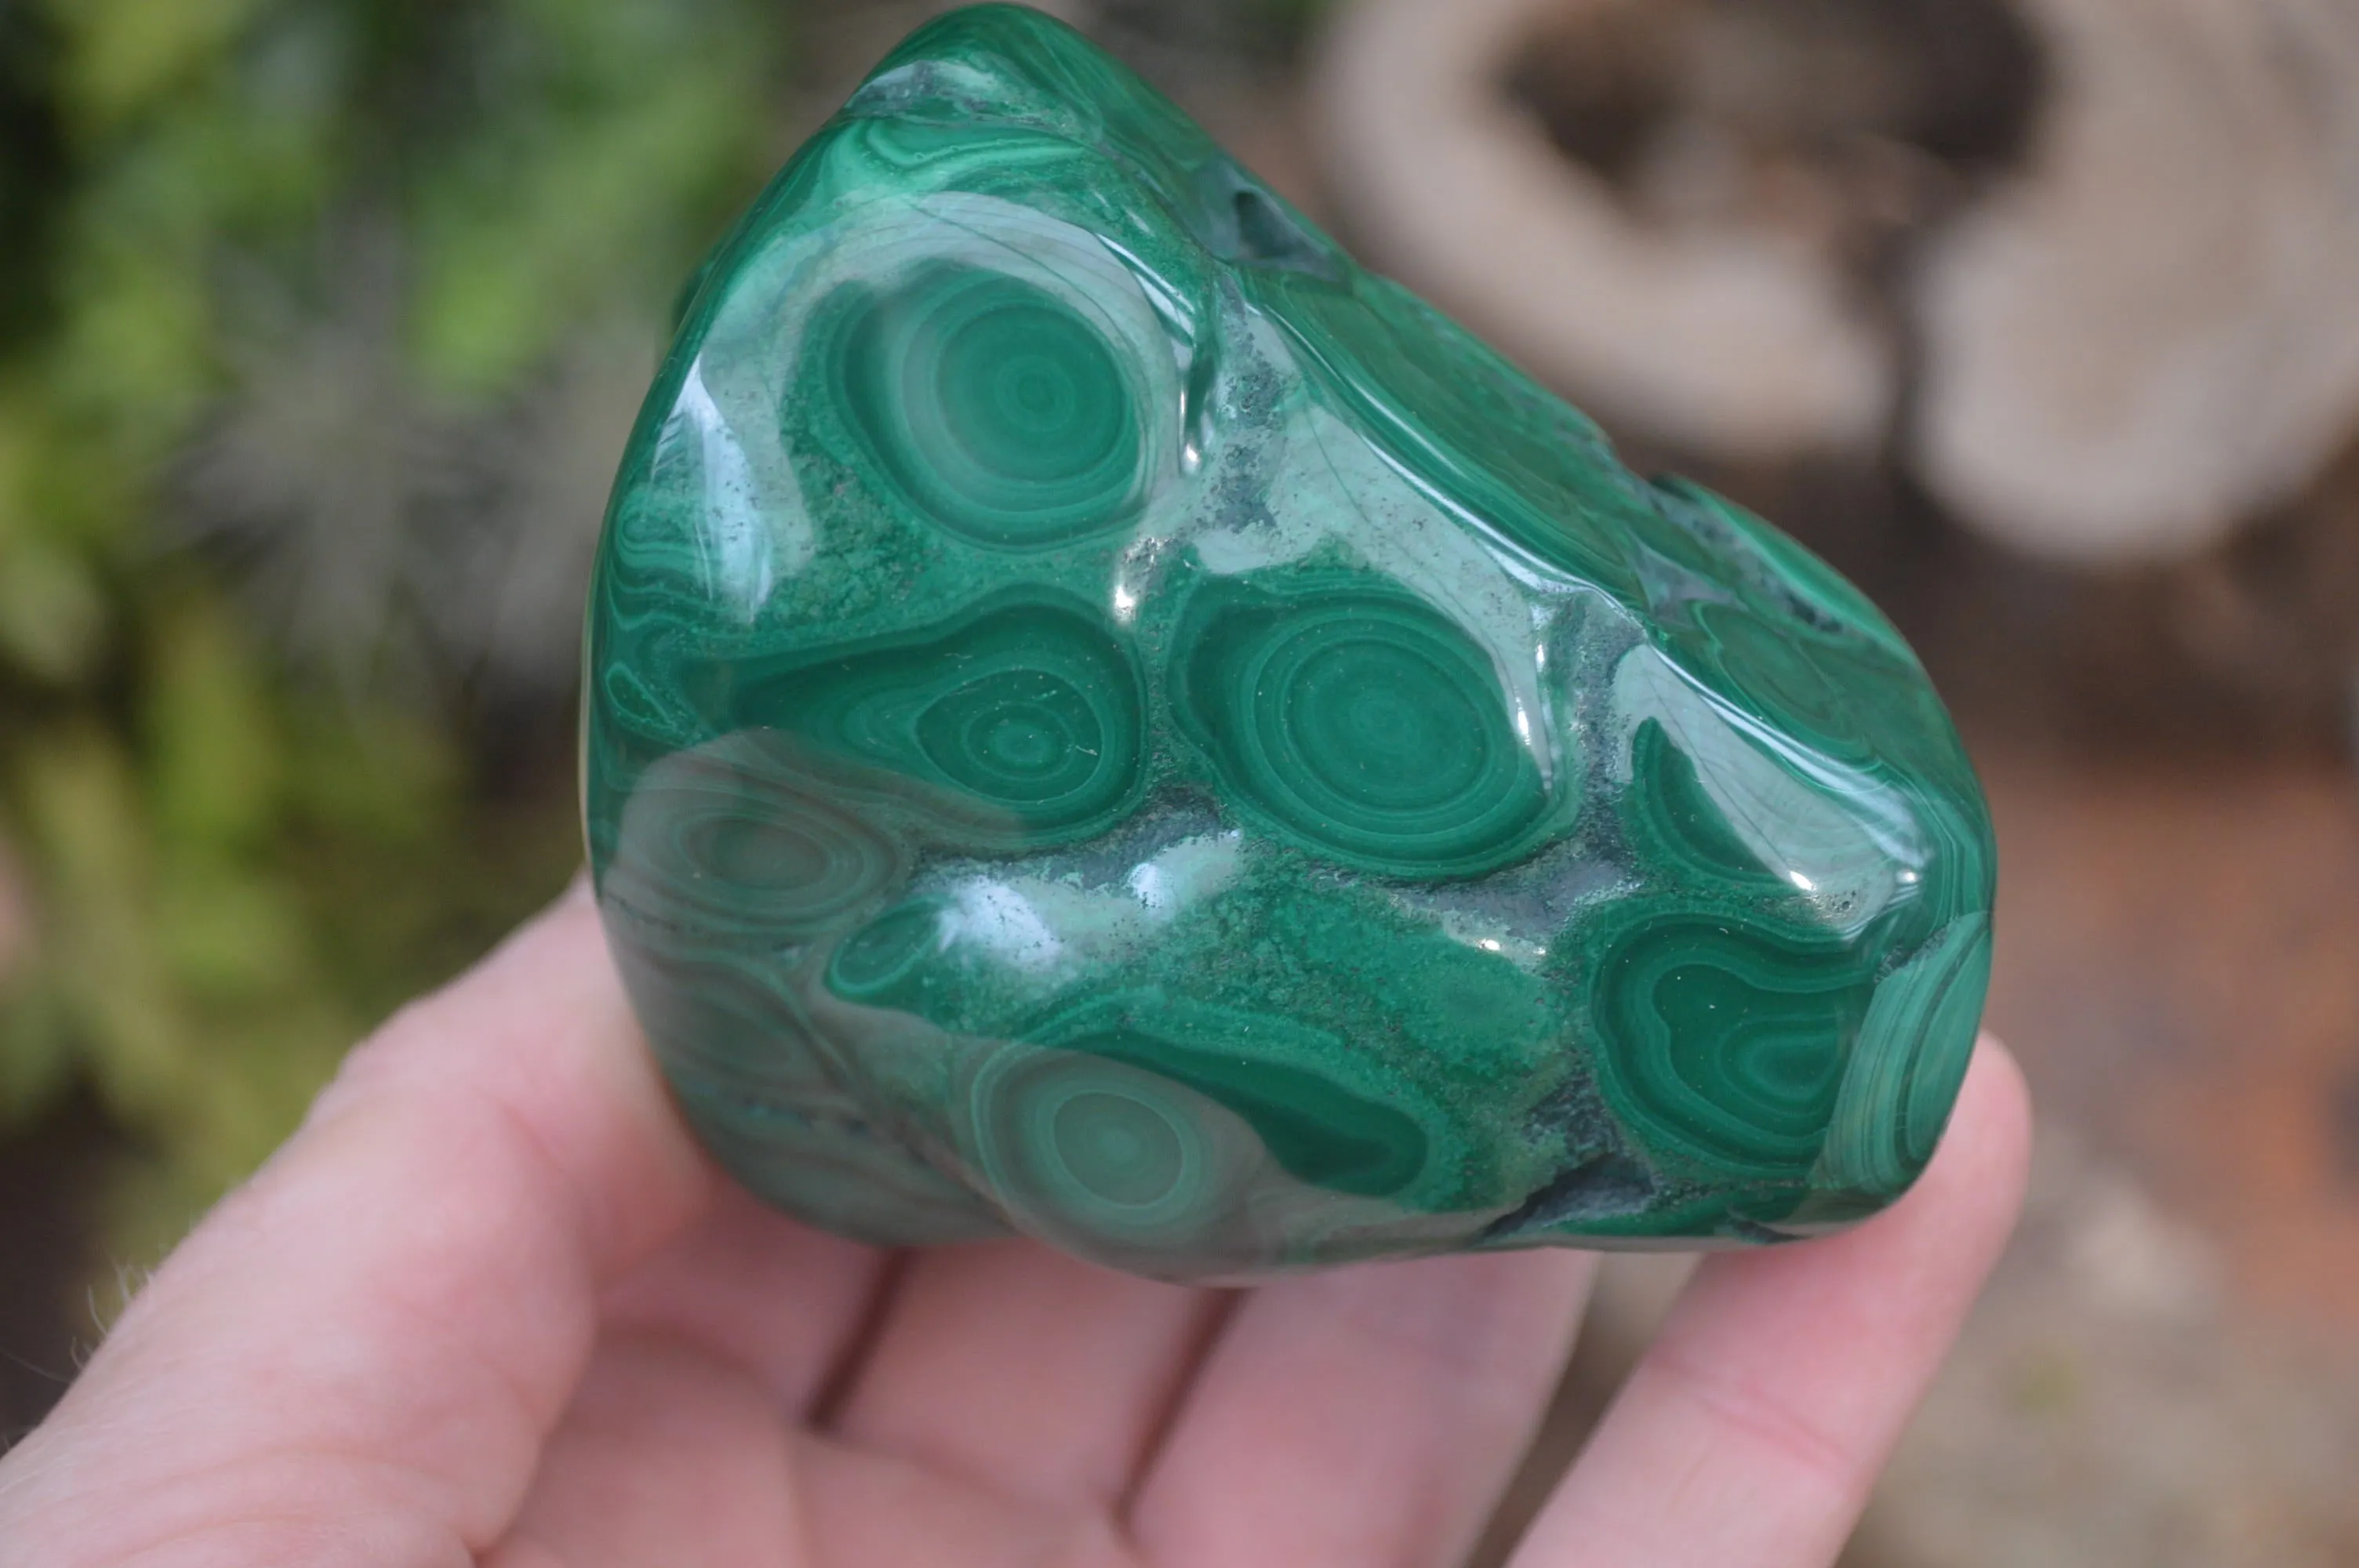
1749	1434
367	1343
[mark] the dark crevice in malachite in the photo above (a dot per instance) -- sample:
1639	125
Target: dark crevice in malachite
1601	1189
1105	720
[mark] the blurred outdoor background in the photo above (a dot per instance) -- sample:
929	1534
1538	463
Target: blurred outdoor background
321	323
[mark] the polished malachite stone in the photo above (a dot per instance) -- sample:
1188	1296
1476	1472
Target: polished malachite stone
1106	721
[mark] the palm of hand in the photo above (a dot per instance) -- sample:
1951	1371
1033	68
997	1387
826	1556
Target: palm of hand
490	1306
775	1396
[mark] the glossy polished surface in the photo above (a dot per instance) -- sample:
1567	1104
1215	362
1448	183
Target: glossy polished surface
1106	721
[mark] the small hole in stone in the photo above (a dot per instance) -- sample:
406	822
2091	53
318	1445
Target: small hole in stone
1244	223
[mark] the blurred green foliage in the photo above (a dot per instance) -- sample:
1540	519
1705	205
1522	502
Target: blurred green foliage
321	325
238	847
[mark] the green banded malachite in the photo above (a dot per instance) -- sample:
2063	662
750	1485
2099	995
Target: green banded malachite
877	963
1723	1042
1107	721
1141	1119
1318	1129
726	1018
1358	722
1105	1155
733	842
1677	827
999	412
1032	708
768	1092
835	1167
1915	1042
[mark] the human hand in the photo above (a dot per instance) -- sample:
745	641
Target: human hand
490	1305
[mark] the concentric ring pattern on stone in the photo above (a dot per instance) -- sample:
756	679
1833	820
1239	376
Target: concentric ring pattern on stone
1360	724
1107	722
998	412
1032	710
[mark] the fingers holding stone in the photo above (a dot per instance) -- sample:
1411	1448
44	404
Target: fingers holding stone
668	1455
411	1281
780	1301
1751	1430
1026	1370
1368	1416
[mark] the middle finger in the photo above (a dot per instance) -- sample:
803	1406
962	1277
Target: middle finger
1031	1372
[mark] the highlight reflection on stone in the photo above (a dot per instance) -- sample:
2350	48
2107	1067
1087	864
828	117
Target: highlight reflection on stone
1107	721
